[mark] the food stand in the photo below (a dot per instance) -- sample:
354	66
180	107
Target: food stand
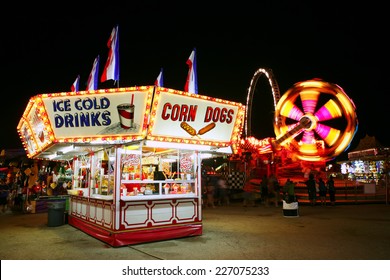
136	155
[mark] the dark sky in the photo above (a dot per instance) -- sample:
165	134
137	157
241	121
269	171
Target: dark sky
43	50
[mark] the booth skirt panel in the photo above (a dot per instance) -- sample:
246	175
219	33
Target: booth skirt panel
123	238
94	211
147	214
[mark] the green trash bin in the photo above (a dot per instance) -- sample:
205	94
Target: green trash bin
56	213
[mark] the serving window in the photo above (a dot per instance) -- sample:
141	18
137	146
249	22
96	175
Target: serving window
156	171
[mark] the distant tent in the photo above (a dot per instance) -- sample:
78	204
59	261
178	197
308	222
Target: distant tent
369	146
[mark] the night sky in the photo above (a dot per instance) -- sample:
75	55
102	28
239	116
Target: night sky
43	51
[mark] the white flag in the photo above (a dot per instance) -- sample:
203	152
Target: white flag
92	83
160	81
75	85
192	79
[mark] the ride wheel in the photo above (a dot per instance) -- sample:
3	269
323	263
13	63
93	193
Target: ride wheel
315	120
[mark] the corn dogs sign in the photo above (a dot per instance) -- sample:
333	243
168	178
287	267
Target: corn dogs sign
195	118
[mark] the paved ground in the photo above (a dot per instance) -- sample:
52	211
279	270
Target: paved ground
234	232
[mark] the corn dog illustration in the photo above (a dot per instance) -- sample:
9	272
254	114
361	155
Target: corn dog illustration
190	130
207	128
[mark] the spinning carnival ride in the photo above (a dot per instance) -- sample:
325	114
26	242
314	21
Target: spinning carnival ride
314	121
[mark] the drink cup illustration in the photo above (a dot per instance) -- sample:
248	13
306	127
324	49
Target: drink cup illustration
126	115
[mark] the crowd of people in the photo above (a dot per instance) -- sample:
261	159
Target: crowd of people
22	184
270	191
267	191
322	188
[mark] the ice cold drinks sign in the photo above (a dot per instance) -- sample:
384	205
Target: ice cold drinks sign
82	112
112	113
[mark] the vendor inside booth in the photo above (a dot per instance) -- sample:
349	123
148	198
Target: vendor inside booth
136	156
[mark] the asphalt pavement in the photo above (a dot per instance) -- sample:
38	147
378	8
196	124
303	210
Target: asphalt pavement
232	232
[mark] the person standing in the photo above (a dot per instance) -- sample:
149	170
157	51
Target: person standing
331	190
216	196
4	191
264	190
274	189
210	193
311	189
210	196
322	191
251	188
223	191
289	191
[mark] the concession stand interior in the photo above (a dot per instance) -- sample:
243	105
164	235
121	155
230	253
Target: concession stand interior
136	156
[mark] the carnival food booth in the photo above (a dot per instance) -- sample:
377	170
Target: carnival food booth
136	156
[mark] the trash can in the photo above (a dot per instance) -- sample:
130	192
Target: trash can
56	213
290	209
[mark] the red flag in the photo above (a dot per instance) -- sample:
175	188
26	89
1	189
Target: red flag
75	85
192	79
111	69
